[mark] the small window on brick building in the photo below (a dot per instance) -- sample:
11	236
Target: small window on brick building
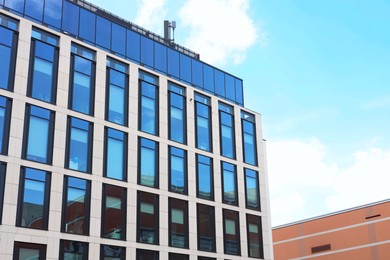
319	249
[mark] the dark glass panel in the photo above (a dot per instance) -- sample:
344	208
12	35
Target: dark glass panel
5	116
73	250
147	51
109	252
148	218
255	236
114	212
231	231
118	41
70	18
3	168
34	9
87	25
178	223
133	48
206	228
103	32
185	68
29	251
147	255
173	63
173	256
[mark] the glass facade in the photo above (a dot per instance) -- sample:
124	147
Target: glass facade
203	122
82	80
76	206
177	113
5	118
8	47
42	82
38	134
33	202
79	106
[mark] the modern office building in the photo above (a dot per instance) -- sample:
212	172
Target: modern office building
359	233
118	144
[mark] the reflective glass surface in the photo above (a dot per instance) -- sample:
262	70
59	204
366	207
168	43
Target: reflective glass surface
229	182
8	57
74	250
52	9
203	126
206	228
5	111
204	177
147	51
148	116
109	252
227	130
173	63
114	212
249	142
160	58
178	174
148	221
118	39
103	32
178	223
34	9
185	68
231	232
75	218
87	25
255	236
116	147
177	116
252	189
70	16
79	145
148	163
117	92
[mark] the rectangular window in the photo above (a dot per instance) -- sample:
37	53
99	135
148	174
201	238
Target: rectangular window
34	9
8	48
147	254
204	177
115	158
5	118
79	145
42	81
231	232
148	105
203	122
255	236
205	258
178	223
76	206
29	251
226	130
252	193
82	80
51	10
249	138
173	256
118	40
103	33
38	134
148	218
148	163
34	197
177	113
206	228
229	184
117	92
114	212
3	169
177	170
109	252
73	250
87	25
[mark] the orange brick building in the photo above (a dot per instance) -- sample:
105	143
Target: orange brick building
361	233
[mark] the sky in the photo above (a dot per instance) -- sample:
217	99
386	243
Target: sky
317	71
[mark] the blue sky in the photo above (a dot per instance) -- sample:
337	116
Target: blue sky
318	72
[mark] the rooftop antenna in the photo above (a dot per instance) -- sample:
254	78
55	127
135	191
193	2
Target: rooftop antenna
168	28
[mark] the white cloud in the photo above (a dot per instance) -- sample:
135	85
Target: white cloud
151	14
303	184
220	30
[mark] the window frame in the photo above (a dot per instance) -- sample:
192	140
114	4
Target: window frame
92	76
156	209
212	210
50	137
184	110
243	113
171	256
7	125
62	251
156	254
212	198
236	203
156	101
225	213
260	234
3	176
233	137
185	170
184	203
124	155
210	131
19	245
32	66
123	212
87	205
121	257
156	163
46	201
257	190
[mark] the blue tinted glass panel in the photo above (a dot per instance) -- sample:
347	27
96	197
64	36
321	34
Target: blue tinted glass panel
6	36
103	32
87	25
178	176
148	117
147	51
251	189
219	83
204	177
5	63
229	184
160	58
15	5
148	163
3	111
203	131
38	135
230	90
133	48
118	39
208	78
78	150
173	63
42	79
249	142
81	93
34	9
115	165
227	135
52	14
44	51
70	21
177	118
197	74
239	92
185	68
116	112
5	106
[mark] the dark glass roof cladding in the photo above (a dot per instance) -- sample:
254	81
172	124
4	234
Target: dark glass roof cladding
95	26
